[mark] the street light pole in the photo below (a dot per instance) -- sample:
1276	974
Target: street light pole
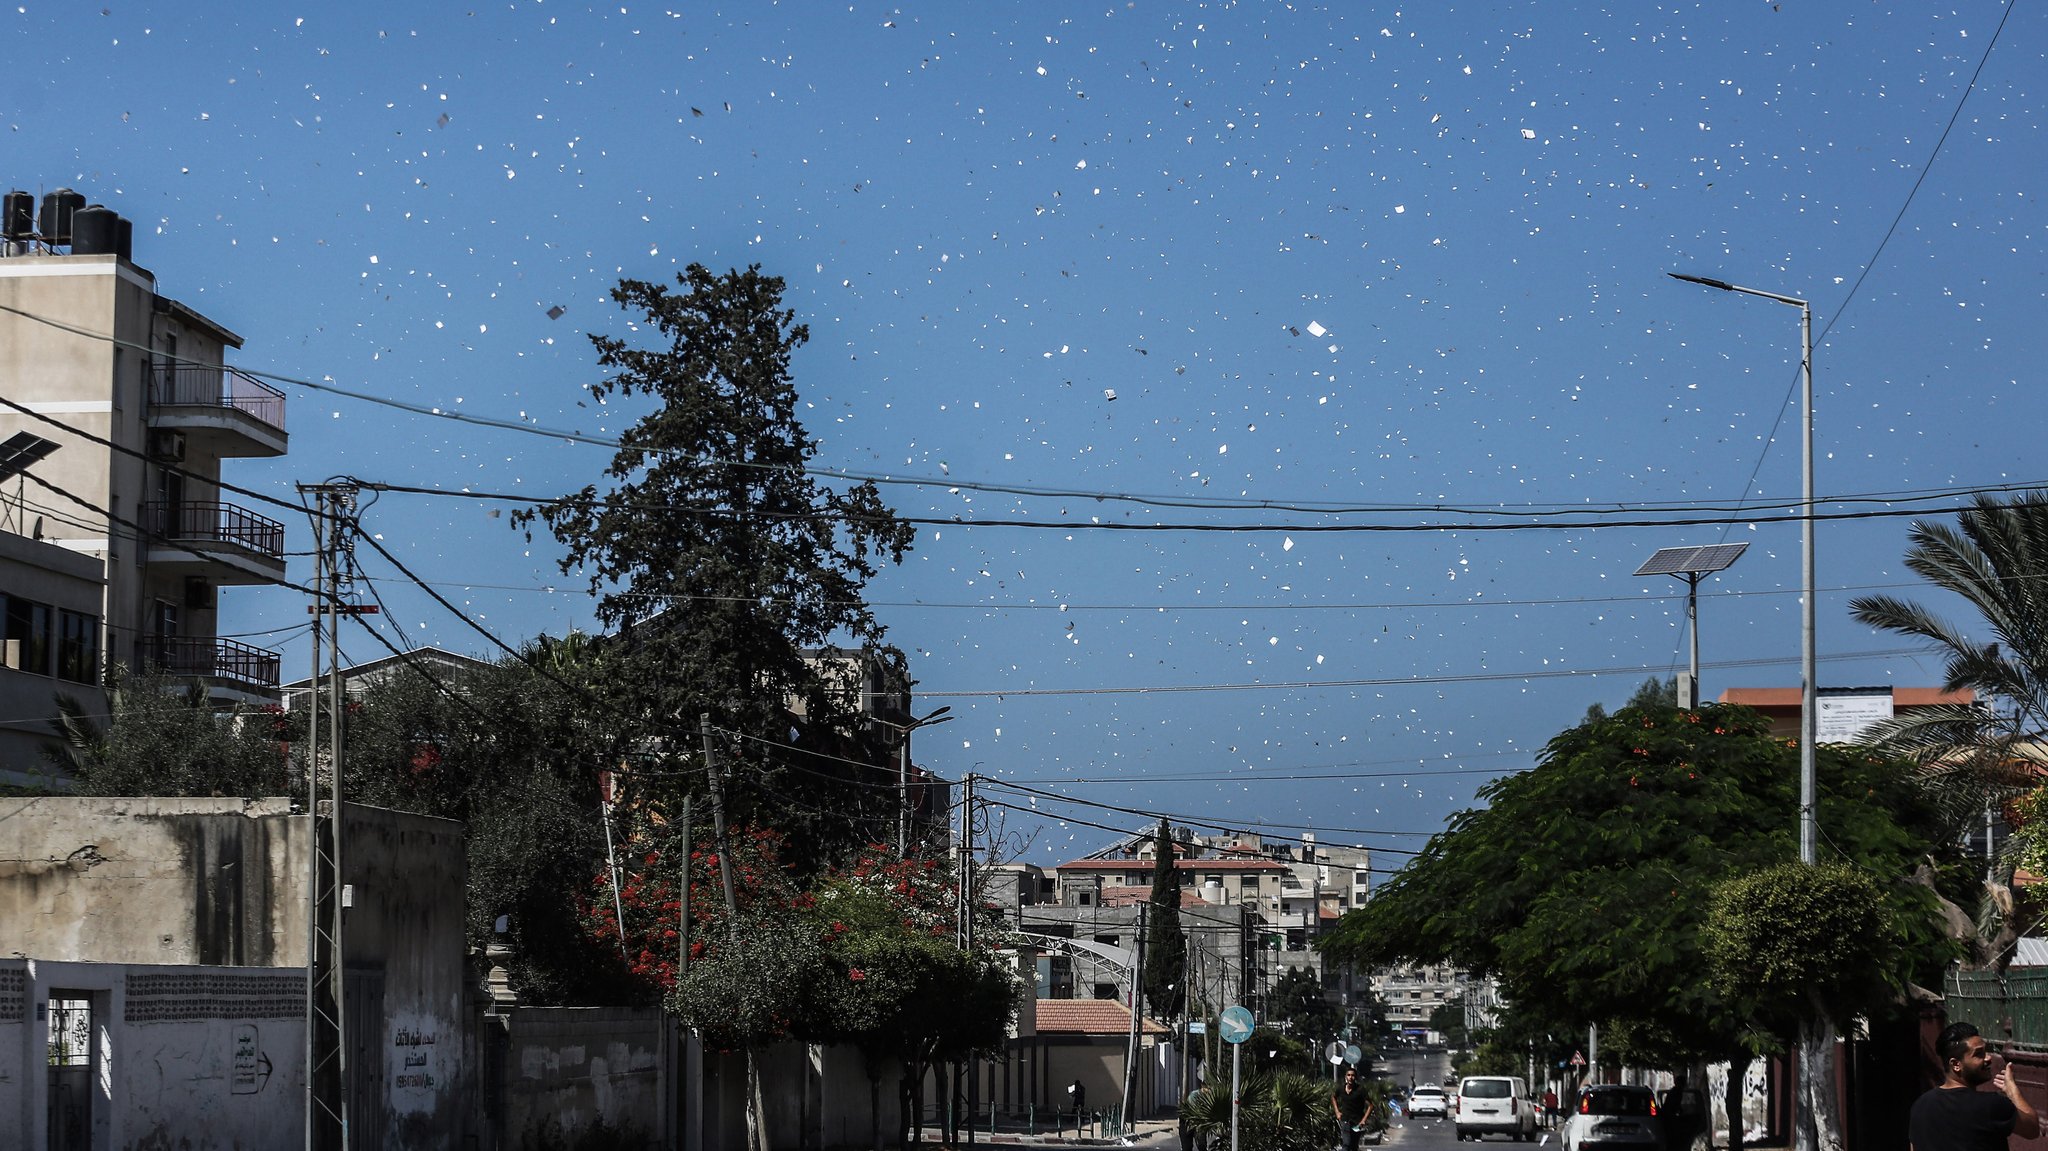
1808	692
903	772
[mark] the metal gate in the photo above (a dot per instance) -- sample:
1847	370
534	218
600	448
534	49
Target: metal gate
70	1071
364	995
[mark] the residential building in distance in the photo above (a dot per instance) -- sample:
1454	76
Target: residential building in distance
1277	897
1412	993
131	410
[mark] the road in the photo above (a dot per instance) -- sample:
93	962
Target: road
1442	1135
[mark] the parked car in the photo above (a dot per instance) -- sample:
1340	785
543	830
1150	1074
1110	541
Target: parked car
1614	1115
1687	1119
1428	1099
1494	1105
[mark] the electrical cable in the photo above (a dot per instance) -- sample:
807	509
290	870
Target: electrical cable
1255	528
1194	820
1401	681
1310	507
1870	264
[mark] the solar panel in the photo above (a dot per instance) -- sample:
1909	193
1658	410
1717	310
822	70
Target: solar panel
21	450
1697	560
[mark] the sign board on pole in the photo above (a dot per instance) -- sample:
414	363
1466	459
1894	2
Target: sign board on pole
1352	1054
1236	1024
1334	1052
1846	713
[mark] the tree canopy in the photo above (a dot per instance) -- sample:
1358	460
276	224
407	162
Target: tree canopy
722	562
1583	881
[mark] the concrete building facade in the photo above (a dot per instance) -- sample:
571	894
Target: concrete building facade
132	394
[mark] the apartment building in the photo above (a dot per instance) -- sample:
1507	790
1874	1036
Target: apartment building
130	411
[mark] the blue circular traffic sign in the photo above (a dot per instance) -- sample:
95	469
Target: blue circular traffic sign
1236	1025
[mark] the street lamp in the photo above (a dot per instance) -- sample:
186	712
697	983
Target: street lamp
1808	703
1689	564
903	771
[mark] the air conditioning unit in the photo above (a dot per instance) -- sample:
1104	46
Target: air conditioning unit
167	446
200	595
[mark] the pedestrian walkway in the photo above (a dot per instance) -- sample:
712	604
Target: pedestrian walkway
1157	1133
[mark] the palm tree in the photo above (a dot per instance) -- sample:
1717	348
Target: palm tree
1986	754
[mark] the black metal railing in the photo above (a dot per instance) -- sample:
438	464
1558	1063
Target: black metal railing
212	658
198	521
213	386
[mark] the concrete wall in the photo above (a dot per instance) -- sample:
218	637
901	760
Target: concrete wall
196	881
195	1058
404	946
577	1065
223	882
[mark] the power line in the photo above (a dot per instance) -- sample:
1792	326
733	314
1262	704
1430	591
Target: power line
1197	820
1398	681
1304	506
1253	528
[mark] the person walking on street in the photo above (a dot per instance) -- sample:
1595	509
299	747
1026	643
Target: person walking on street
1956	1116
1353	1104
1549	1107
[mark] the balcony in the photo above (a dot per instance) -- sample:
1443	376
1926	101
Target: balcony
226	412
225	543
230	668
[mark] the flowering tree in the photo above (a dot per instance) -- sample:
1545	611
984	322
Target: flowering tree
867	956
891	925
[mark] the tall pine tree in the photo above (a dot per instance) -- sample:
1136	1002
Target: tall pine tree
1166	953
720	559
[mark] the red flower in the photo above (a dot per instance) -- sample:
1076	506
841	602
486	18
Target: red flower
856	974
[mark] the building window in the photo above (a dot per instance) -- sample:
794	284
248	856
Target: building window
26	646
1106	991
77	647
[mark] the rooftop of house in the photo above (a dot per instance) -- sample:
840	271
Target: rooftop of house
1235	865
1776	698
1088	1017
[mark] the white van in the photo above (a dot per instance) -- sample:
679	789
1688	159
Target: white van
1497	1105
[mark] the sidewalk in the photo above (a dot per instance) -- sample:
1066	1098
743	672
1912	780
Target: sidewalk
1155	1133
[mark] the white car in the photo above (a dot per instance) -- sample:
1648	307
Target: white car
1496	1105
1428	1099
1614	1117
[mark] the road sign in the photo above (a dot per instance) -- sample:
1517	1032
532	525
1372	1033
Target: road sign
1236	1025
1334	1052
1198	1027
1352	1054
1578	1059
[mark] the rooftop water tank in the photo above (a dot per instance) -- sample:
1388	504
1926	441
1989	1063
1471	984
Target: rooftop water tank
55	223
17	215
95	231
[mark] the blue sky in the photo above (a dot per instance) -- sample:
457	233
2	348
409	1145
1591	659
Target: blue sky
1355	256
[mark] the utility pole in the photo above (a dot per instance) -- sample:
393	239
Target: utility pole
1137	1013
717	778
327	897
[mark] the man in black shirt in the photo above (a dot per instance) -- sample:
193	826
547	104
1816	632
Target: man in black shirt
1955	1116
1352	1105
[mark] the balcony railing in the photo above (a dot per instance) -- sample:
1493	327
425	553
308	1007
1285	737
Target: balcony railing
212	386
197	521
211	658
